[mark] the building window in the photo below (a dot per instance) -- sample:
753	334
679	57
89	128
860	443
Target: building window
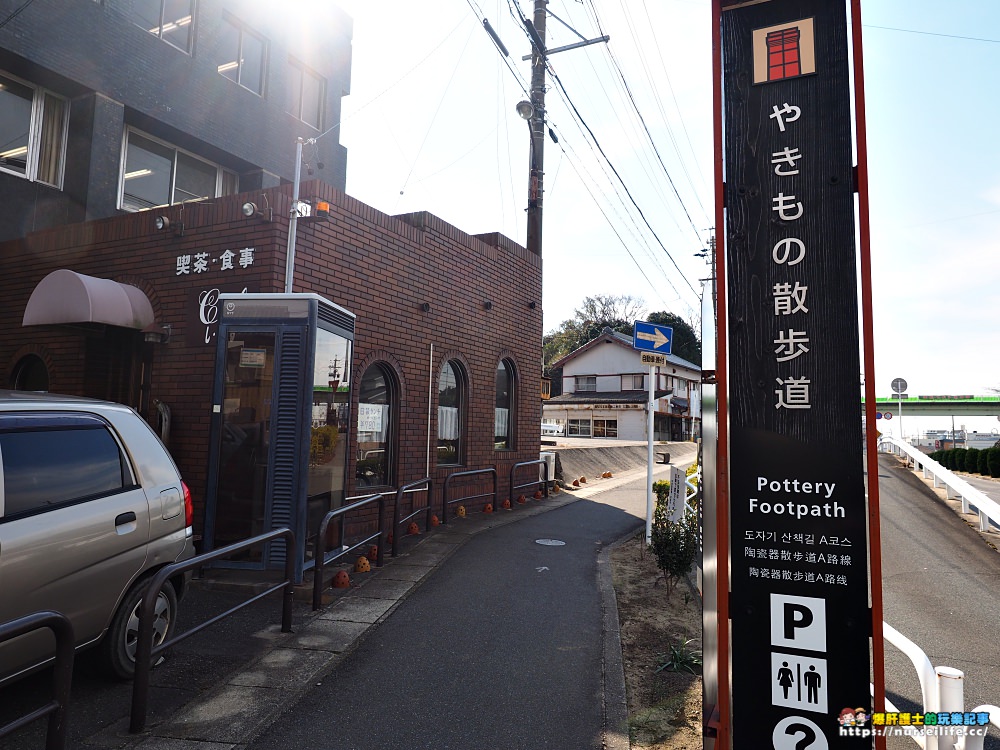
451	413
377	406
30	374
242	56
578	427
506	406
158	174
606	428
585	383
170	20
306	94
32	132
633	382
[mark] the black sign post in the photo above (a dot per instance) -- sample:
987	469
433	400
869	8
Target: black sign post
799	604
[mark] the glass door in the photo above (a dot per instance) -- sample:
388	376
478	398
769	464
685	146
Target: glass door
245	440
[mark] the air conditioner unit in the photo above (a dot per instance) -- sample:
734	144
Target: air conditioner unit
550	461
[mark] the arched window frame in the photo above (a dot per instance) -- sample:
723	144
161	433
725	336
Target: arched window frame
505	441
27	370
368	458
451	451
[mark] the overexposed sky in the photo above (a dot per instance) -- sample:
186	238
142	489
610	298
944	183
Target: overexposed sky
430	125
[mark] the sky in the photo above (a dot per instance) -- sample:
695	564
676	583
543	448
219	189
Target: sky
430	125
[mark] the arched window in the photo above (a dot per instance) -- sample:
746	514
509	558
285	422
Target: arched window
505	413
30	374
451	414
377	414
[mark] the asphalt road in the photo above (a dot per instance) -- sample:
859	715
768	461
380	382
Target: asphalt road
941	589
500	648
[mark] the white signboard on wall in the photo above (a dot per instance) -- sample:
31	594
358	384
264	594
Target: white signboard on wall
369	417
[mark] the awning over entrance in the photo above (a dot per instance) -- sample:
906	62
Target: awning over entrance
68	297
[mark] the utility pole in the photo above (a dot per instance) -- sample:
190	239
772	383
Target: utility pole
534	110
537	126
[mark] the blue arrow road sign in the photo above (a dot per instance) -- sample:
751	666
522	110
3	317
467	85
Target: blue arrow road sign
652	337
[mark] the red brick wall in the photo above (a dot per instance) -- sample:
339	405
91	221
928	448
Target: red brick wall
382	268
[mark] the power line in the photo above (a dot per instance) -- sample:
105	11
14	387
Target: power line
931	33
558	81
15	14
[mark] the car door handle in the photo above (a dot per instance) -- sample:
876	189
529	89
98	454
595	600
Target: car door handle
125	518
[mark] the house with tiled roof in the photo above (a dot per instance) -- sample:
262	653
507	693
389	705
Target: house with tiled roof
605	393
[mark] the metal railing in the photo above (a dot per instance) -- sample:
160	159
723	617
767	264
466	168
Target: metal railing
445	502
398	520
975	742
146	652
62	674
342	548
988	509
942	689
543	482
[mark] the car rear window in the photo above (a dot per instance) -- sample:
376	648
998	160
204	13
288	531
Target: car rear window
55	460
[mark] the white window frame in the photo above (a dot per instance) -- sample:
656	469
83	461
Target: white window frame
630	379
582	384
158	31
264	56
304	71
35	122
221	173
573	428
605	426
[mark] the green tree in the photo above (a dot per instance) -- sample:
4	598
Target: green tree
686	343
594	314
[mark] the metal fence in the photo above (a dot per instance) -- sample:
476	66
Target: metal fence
543	482
398	519
445	501
146	652
62	676
343	549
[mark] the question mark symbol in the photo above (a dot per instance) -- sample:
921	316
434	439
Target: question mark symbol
807	740
798	733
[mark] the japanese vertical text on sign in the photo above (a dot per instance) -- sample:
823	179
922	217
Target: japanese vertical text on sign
798	546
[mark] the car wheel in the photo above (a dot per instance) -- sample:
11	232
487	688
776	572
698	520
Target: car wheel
119	646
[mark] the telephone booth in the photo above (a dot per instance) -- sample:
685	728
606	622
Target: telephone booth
280	416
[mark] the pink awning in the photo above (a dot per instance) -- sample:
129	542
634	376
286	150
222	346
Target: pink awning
68	297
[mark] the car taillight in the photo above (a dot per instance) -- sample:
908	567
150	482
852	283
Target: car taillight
188	506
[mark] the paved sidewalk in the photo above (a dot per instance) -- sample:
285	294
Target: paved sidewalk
248	703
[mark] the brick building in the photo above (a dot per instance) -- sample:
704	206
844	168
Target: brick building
115	117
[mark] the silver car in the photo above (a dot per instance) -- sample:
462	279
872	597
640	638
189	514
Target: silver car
91	506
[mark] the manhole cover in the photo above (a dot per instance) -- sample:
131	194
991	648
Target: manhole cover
551	542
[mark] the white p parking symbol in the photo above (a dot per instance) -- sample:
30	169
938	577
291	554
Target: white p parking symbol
798	622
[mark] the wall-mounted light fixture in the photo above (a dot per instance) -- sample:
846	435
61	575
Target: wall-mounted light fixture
487	305
164	224
250	210
160	336
532	305
425	306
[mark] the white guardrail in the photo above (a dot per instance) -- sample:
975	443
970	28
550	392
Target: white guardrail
955	486
942	688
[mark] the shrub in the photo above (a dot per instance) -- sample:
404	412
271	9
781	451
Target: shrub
982	463
675	545
993	461
958	459
971	463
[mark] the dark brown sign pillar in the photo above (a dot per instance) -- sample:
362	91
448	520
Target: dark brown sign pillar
799	576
